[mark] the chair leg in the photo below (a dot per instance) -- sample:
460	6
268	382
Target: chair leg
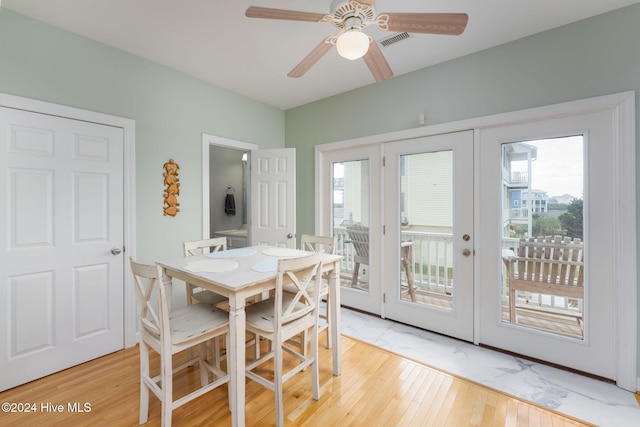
190	356
304	338
166	369
315	381
144	390
217	352
277	384
204	372
328	329
354	278
512	306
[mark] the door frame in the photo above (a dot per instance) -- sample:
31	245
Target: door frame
627	286
129	196
207	142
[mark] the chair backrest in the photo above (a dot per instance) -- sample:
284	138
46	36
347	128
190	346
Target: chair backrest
556	260
359	237
152	303
302	274
200	247
318	243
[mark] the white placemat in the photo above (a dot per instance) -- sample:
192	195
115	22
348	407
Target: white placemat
232	253
266	266
285	252
211	266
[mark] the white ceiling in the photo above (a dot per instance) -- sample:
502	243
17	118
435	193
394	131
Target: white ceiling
214	41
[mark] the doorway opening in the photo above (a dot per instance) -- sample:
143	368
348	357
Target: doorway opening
225	179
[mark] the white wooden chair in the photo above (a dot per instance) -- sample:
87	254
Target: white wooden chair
196	294
282	317
326	244
200	247
551	265
359	237
168	333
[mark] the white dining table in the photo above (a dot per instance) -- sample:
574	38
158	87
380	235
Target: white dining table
240	274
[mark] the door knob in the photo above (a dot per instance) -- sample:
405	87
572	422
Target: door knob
289	236
466	252
116	251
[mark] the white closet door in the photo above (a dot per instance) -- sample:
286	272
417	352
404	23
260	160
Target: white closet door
62	279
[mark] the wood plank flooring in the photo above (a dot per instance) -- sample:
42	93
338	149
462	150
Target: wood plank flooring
376	388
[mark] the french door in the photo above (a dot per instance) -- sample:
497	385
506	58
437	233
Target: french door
354	198
428	233
527	171
445	214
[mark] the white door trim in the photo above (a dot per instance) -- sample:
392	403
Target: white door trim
627	284
207	142
129	128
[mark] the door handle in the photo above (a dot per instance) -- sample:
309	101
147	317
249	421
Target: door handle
289	236
466	252
116	251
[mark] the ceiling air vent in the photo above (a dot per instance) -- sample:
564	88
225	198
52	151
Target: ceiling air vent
395	38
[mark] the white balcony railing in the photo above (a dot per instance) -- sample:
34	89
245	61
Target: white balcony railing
432	255
433	267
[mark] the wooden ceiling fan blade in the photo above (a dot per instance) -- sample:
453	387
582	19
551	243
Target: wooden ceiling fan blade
452	24
310	60
289	15
377	63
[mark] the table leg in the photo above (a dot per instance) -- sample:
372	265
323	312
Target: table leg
334	313
236	358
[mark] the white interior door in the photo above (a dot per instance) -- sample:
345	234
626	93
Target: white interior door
273	197
62	287
591	163
428	240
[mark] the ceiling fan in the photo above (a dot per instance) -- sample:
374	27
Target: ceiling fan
350	17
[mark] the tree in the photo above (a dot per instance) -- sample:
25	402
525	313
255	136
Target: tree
546	225
572	220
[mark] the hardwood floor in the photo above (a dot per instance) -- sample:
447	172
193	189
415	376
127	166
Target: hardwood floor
376	388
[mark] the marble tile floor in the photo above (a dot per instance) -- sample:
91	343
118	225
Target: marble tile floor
582	397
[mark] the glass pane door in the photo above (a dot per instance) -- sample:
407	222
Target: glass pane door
428	245
542	235
351	220
426	229
353	175
547	237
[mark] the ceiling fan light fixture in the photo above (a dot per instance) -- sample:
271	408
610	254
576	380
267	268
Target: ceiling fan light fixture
352	44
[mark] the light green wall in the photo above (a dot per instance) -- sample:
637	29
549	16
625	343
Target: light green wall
594	57
590	58
171	111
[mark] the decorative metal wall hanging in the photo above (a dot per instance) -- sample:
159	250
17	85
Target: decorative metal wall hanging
172	182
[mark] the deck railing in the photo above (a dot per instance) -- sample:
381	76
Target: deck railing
432	255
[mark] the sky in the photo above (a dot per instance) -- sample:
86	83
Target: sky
559	168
